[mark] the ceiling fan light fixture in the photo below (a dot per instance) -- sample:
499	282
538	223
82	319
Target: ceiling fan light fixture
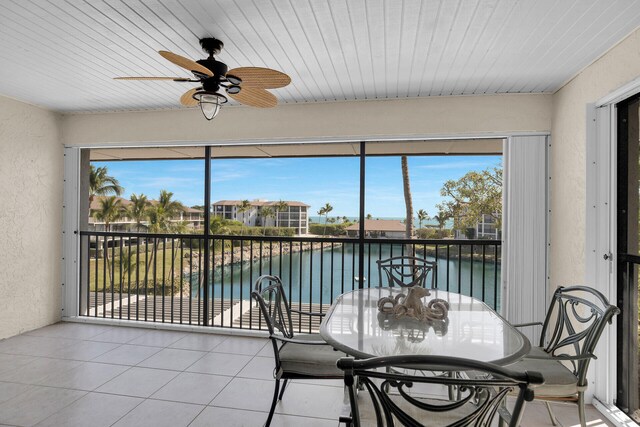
209	103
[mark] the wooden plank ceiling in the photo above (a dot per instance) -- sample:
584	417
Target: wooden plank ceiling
62	55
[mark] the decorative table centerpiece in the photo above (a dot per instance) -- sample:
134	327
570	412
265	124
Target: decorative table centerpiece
411	305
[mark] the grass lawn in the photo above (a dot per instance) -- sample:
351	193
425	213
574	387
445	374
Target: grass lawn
161	264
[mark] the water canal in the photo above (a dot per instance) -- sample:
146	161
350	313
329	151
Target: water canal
318	277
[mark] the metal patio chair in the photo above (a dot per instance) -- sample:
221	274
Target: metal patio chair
573	325
303	356
406	271
391	397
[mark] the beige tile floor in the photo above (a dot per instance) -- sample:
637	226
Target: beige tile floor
73	374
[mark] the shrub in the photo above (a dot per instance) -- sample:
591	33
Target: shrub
192	243
280	231
262	231
433	233
328	230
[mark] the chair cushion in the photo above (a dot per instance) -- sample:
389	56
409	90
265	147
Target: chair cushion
559	381
310	360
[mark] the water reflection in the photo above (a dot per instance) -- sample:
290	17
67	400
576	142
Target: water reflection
318	277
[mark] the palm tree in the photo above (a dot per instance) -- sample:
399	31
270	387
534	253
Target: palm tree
407	199
129	262
160	215
325	211
171	207
218	225
321	212
369	216
422	216
110	210
441	218
266	212
101	184
179	227
138	209
156	217
280	206
244	206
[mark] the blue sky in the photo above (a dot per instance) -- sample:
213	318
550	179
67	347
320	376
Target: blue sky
314	181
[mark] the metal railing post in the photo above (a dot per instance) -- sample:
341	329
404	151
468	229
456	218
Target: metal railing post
361	231
207	237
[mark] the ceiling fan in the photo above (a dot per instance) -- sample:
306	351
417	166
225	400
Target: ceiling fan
247	85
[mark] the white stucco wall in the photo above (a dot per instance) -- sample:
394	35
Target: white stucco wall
31	169
568	149
435	116
31	165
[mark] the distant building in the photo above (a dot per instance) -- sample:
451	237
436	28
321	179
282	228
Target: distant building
122	224
295	216
194	217
387	228
484	229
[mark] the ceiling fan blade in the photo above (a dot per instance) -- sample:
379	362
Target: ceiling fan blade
255	97
187	98
265	78
175	79
185	63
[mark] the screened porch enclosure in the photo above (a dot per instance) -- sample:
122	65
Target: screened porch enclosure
204	277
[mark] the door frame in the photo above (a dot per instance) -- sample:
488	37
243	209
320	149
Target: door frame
601	237
627	264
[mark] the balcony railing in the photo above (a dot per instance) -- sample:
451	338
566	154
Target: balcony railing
161	277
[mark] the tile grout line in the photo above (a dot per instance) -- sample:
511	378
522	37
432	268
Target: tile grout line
127	413
183	371
235	375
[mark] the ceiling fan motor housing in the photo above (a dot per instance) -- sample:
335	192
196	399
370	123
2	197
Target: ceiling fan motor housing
211	84
218	68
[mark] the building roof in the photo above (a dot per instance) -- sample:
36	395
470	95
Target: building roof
192	210
379	225
95	203
259	203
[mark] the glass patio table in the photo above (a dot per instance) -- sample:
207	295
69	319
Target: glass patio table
472	330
